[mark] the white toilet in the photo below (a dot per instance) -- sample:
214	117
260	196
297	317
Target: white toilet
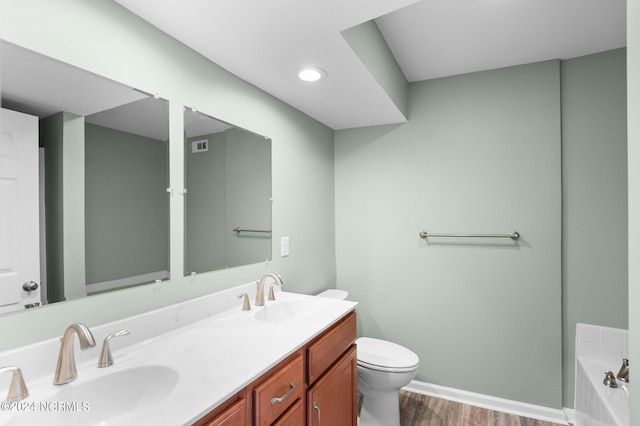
383	368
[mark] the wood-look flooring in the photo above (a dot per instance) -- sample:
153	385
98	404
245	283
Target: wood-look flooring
422	410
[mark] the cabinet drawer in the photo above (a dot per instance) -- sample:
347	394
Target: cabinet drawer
235	415
293	417
322	353
273	396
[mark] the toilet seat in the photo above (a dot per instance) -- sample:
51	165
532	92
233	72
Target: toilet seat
380	355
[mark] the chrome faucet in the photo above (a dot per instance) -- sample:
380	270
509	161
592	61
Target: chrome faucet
106	359
260	291
66	370
17	388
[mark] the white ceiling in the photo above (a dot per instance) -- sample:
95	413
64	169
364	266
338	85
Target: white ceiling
437	38
266	43
41	86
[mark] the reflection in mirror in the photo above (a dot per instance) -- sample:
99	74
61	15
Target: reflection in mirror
228	204
126	202
104	152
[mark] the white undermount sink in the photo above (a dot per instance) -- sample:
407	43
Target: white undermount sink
100	400
288	310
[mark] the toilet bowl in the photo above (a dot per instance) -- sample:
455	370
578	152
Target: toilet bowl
383	368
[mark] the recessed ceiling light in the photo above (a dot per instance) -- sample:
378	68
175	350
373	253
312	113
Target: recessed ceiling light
312	74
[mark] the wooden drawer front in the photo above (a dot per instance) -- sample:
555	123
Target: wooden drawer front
322	353
293	417
286	383
235	415
234	411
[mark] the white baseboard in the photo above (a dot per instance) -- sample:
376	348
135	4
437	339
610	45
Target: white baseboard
491	402
570	415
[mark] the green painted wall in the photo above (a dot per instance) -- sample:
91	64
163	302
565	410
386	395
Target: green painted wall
369	44
62	137
126	205
633	150
104	38
73	221
594	182
51	139
205	243
248	197
480	154
446	170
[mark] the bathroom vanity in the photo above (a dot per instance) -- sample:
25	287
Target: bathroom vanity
204	362
322	375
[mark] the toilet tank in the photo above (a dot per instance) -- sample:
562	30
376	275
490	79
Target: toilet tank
334	293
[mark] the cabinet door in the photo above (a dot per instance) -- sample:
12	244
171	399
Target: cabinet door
332	399
235	415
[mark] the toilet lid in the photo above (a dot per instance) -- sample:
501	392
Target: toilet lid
386	356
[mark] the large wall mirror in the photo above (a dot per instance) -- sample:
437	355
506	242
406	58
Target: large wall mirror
228	203
103	216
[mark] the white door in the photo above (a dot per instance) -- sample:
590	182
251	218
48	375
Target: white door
19	217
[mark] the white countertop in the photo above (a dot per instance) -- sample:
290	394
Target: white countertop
214	357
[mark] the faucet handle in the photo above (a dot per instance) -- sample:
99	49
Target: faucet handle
106	359
609	380
17	389
623	374
246	306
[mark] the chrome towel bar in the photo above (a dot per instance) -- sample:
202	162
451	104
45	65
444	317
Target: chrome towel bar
514	235
238	229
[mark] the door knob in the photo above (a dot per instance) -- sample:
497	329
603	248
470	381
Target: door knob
30	286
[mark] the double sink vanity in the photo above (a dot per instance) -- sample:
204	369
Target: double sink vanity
205	362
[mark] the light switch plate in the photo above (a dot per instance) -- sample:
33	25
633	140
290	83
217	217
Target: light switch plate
284	246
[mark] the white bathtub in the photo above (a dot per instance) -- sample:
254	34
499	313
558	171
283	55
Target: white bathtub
598	350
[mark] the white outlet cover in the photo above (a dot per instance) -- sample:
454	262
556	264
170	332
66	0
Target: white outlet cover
284	246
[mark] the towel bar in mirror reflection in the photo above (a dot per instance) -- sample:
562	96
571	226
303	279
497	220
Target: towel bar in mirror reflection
263	231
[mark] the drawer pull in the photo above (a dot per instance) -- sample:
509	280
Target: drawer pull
275	400
315	407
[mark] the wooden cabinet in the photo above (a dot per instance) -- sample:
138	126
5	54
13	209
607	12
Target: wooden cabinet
316	385
327	348
236	415
293	417
228	414
332	400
